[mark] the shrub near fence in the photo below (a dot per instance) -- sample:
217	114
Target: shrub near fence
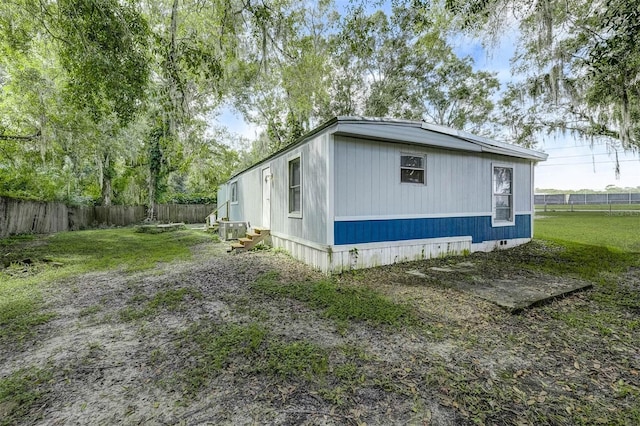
25	217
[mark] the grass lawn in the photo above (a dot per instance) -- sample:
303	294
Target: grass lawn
34	261
260	338
590	228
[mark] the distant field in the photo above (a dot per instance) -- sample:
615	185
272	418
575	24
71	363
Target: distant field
579	207
618	231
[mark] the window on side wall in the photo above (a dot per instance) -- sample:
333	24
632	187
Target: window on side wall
234	192
503	195
295	187
412	168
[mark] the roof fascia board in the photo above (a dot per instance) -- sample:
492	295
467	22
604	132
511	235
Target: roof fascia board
490	145
404	134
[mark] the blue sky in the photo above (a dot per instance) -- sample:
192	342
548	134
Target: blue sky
572	163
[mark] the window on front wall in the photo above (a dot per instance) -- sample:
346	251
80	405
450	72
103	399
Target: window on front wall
234	192
295	186
502	194
412	168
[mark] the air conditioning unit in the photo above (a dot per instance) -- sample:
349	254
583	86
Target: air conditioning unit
232	230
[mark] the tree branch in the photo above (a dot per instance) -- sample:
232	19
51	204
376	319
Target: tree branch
20	137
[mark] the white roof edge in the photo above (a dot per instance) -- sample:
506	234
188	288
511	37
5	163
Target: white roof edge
378	120
331	126
489	145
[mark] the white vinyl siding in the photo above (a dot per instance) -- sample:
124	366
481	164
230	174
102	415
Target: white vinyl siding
312	225
456	182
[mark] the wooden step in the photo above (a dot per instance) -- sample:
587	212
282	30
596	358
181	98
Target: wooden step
236	247
253	237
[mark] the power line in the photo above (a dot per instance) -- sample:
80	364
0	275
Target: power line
587	162
581	155
554	148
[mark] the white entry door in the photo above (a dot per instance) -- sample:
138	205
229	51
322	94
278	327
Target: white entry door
266	198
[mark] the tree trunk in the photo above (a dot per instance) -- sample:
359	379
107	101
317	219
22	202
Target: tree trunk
155	170
151	207
105	176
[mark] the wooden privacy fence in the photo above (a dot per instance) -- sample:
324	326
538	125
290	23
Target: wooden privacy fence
187	213
119	215
23	216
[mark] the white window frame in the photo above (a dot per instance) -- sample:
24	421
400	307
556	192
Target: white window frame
495	222
233	185
297	214
424	167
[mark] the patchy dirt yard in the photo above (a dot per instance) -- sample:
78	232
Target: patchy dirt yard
261	338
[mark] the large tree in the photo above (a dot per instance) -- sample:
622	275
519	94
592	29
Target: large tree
116	93
402	66
580	60
285	78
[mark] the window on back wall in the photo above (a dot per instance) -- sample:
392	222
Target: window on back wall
295	187
412	168
234	192
503	194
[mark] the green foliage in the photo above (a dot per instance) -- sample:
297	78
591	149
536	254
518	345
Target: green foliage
76	100
579	63
193	198
104	52
341	303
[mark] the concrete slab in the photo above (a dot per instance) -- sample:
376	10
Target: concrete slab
512	292
516	295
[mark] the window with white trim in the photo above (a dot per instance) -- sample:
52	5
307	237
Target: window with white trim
295	187
233	189
412	168
502	194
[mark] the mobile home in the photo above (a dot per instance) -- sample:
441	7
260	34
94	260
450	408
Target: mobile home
360	192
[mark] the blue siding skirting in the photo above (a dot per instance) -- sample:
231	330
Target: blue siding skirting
478	227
